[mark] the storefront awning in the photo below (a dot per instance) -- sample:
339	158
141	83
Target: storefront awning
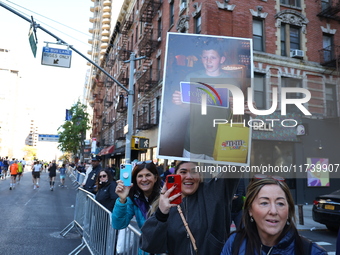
107	150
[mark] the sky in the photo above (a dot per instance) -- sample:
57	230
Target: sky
51	90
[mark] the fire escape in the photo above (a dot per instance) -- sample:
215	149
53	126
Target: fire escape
148	79
330	56
145	119
330	10
148	10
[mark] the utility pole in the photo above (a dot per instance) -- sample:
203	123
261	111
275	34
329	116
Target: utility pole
131	78
130	106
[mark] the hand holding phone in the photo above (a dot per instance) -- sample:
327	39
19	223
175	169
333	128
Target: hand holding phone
171	180
126	174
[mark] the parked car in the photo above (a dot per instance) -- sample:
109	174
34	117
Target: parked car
326	210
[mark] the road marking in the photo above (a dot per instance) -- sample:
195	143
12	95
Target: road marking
323	243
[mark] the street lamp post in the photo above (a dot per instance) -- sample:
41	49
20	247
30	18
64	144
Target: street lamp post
130	106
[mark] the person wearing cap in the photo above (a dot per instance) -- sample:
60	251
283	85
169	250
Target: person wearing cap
90	183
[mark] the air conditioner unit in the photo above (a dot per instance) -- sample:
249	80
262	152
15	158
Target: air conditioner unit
297	54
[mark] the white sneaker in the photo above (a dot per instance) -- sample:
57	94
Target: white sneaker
34	187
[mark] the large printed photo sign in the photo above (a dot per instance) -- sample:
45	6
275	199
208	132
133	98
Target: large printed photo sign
197	121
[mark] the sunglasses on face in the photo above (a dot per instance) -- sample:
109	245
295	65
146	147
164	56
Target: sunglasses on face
143	162
265	176
103	176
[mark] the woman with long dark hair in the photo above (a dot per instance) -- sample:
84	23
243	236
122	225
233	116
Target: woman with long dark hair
105	189
136	199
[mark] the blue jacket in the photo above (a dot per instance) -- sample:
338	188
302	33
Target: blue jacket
285	247
123	213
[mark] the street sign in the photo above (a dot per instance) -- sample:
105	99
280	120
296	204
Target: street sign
56	57
32	41
48	138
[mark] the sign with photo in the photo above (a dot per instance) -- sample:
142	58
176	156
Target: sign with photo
202	76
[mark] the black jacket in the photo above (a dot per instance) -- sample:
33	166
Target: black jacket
208	215
106	195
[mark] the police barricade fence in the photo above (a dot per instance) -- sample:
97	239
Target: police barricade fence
98	235
79	212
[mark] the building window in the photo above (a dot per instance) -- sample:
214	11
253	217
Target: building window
327	42
325	4
159	28
198	21
258	36
292	83
159	68
295	3
158	109
171	16
259	91
290	39
331	102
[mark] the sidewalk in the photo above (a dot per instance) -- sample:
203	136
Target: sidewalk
309	223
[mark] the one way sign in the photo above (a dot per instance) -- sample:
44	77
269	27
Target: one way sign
56	57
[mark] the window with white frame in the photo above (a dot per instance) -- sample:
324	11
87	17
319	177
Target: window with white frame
258	35
295	3
198	21
327	43
290	39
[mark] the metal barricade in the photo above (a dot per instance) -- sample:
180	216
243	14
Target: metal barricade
98	234
128	243
79	212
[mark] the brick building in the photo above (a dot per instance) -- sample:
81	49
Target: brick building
293	46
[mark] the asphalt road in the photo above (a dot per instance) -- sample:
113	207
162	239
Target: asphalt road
31	220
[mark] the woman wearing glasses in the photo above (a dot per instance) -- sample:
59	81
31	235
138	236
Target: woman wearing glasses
136	199
105	189
269	222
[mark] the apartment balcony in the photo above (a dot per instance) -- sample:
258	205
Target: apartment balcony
149	42
149	80
106	14
330	10
148	10
106	21
107	3
330	56
105	39
144	121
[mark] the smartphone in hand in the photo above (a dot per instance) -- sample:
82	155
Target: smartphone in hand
126	174
171	180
